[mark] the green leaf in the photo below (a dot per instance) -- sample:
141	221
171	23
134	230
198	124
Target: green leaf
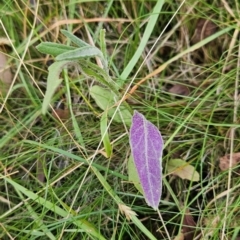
105	100
93	70
133	175
53	81
103	46
74	39
83	52
105	135
183	170
76	126
53	49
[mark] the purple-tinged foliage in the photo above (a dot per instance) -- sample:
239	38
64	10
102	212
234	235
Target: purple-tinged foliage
147	145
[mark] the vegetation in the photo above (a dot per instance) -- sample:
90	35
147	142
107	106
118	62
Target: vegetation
64	155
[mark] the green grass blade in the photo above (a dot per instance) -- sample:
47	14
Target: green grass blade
147	33
119	202
83	224
18	127
39	222
75	157
199	45
76	128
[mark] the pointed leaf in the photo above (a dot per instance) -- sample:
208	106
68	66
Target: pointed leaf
53	49
183	170
103	46
147	145
133	175
53	81
99	74
74	39
83	52
105	100
104	134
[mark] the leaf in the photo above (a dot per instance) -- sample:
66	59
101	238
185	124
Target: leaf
99	74
91	50
74	39
104	134
179	89
63	114
105	100
53	49
183	170
53	81
224	162
133	175
147	145
83	52
203	29
103	46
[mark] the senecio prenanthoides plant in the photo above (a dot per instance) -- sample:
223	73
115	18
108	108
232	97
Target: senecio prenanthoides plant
145	139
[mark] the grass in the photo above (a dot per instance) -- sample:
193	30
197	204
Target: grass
56	182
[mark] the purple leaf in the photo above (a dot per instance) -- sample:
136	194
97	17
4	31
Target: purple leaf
147	145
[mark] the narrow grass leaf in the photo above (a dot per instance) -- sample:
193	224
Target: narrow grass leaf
81	223
96	169
105	100
147	33
19	126
53	81
147	145
75	124
131	215
105	135
53	49
183	170
75	157
37	219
